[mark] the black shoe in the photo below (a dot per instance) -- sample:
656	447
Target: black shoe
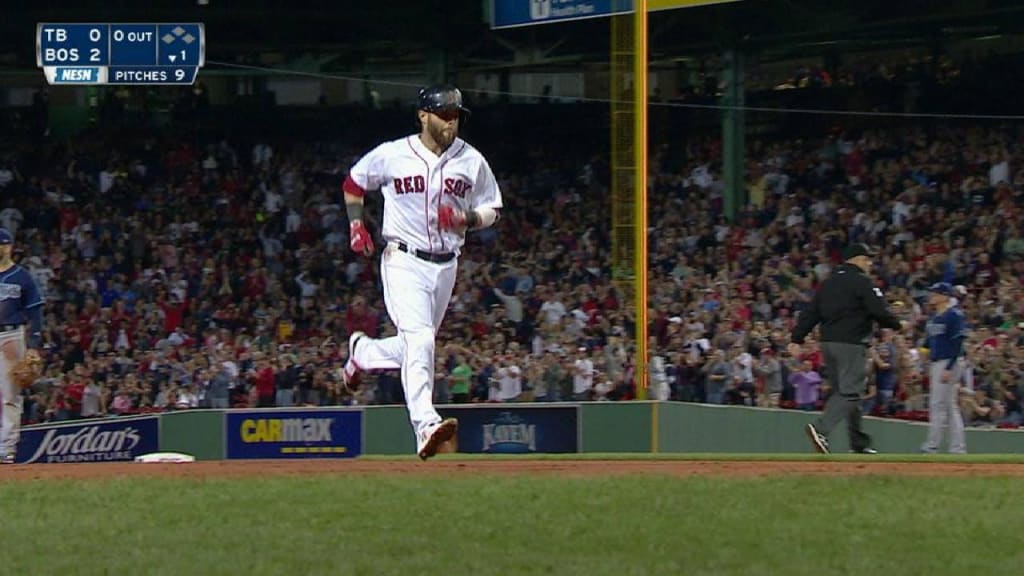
864	451
820	442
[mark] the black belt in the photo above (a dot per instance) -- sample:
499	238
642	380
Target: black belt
10	327
435	257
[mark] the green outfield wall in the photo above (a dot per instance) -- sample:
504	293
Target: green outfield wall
618	427
520	428
691	428
677	427
613	427
196	432
388	431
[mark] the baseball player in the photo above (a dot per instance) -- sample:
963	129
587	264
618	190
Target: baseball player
945	331
20	304
435	187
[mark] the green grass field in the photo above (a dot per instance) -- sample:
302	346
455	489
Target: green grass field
732	457
474	524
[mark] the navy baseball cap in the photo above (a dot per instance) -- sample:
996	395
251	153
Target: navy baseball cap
858	249
6	237
944	288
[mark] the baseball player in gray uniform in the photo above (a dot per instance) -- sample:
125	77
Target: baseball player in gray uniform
21	325
946	331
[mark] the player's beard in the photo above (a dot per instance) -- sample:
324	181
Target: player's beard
441	135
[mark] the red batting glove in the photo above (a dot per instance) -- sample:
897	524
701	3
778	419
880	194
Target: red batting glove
359	238
451	218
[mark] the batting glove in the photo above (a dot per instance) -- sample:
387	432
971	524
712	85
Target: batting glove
451	218
359	238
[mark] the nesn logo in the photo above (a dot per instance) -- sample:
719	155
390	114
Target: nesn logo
77	75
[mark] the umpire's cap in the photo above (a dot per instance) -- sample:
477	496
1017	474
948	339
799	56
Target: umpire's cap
441	97
858	249
6	237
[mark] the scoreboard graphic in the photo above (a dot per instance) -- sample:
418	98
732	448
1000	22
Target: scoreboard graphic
128	53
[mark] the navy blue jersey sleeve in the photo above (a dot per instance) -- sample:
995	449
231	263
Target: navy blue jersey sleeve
30	296
956	330
20	300
30	292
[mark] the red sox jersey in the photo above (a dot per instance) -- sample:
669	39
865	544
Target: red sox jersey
416	183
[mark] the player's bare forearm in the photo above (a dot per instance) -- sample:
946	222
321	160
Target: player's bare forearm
480	218
359	237
353	207
472	220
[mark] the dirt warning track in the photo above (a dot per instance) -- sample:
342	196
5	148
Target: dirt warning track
453	467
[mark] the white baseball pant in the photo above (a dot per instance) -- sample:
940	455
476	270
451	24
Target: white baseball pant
12	345
416	294
944	409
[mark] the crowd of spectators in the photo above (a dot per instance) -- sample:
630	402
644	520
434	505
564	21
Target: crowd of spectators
181	273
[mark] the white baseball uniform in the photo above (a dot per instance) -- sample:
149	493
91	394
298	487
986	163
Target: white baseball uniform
419	262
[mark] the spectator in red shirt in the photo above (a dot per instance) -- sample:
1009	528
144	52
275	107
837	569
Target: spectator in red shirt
264	382
174	313
360	317
74	390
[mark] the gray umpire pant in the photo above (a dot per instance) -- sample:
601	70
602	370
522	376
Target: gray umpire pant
846	371
944	409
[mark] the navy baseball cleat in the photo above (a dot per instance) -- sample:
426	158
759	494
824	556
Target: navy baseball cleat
820	442
433	440
864	451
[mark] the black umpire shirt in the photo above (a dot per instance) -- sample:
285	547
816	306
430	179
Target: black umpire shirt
846	304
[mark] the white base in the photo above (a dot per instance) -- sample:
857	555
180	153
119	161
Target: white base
172	457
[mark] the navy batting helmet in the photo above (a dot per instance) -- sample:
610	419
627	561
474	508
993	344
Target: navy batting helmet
441	97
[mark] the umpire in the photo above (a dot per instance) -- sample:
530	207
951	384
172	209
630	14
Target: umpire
846	305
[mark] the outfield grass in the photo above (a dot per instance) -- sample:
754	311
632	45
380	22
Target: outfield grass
723	457
482	525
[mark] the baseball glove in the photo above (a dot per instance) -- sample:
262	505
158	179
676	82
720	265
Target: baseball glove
26	371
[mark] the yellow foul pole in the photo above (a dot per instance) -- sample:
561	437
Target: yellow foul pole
640	191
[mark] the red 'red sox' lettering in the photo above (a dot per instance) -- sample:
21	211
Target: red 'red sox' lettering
410	184
456	187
